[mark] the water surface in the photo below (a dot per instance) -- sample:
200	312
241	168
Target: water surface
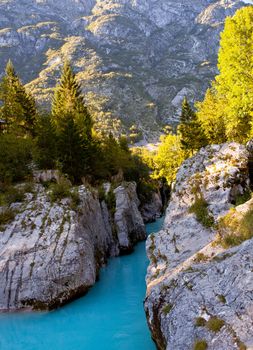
109	317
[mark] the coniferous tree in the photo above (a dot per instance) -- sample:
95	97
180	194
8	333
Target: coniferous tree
72	150
191	134
73	126
18	106
68	99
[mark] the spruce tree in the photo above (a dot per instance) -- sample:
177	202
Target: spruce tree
68	99
191	134
18	106
73	126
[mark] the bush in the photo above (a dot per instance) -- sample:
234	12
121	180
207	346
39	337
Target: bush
6	216
15	156
235	228
60	190
215	324
167	308
200	345
242	198
200	209
200	322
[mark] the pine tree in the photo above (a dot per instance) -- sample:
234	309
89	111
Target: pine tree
191	134
68	99
18	106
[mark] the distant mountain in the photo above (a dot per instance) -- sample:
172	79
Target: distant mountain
136	58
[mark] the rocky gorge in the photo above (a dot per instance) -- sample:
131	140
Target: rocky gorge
51	251
199	281
136	60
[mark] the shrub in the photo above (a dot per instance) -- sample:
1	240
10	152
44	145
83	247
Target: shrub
200	257
200	322
60	190
200	345
167	308
235	228
215	324
6	216
200	209
75	199
242	198
15	155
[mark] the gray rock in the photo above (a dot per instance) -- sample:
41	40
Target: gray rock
51	253
128	220
181	286
152	210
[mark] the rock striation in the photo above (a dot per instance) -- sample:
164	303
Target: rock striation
136	59
199	291
52	251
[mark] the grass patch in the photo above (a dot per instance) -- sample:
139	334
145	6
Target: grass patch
200	345
215	324
200	209
235	228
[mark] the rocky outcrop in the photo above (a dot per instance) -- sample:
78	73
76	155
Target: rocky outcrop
51	252
152	209
197	289
136	59
127	217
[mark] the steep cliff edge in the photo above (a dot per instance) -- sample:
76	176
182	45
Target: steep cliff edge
199	290
51	252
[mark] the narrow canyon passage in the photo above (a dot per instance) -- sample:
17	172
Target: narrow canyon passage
109	317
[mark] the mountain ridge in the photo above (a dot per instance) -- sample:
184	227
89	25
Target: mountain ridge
136	59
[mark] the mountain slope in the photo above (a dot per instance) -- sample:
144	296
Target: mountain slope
136	59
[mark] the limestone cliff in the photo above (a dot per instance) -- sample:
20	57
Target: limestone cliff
51	252
199	291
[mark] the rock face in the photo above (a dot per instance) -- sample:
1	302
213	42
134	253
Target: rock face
135	59
127	217
51	252
191	281
152	210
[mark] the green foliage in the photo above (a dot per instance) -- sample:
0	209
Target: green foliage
169	157
215	324
45	152
200	209
68	102
229	104
60	190
15	156
18	106
235	228
6	216
111	201
200	345
11	194
200	257
210	115
200	322
167	308
190	132
240	199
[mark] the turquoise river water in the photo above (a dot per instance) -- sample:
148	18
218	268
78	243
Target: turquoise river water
109	317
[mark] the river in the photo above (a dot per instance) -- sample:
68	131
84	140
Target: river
109	317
